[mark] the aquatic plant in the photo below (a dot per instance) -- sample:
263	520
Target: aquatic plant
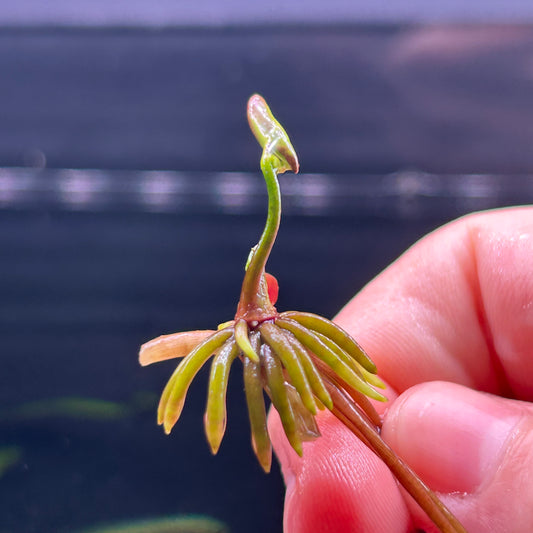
168	524
9	457
303	362
78	408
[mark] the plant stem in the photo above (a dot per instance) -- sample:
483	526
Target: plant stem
251	293
278	156
348	413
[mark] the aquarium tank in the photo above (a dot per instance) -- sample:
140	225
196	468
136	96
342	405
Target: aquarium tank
130	195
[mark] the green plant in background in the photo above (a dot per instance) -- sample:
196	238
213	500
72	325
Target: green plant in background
169	524
302	361
9	457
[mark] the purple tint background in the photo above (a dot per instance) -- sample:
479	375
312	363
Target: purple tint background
212	12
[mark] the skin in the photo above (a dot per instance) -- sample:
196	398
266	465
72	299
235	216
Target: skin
449	325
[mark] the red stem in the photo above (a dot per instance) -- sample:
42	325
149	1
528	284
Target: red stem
349	414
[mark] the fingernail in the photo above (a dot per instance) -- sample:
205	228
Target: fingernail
450	435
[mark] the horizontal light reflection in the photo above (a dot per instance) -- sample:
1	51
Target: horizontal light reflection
404	194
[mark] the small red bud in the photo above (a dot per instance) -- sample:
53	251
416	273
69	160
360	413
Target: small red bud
273	287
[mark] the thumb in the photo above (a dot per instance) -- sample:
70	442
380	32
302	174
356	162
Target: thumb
474	448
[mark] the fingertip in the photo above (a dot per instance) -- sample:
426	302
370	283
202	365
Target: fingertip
473	448
449	434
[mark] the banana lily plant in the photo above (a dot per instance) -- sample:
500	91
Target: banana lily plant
302	361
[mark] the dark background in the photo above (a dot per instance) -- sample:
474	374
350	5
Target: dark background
130	196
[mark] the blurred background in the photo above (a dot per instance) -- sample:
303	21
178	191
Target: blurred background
130	196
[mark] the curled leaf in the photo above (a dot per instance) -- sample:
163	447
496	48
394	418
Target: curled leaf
306	425
312	373
335	333
318	348
215	413
279	397
253	387
243	340
271	135
274	337
173	396
171	346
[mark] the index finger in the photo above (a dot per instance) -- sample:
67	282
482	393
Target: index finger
457	306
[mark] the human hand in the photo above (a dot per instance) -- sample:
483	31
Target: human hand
450	318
